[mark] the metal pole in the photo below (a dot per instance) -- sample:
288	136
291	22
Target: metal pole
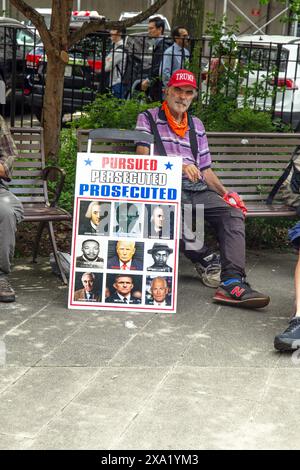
4	7
271	20
78	5
224	16
246	17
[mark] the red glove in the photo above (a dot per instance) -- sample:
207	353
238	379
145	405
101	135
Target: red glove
234	200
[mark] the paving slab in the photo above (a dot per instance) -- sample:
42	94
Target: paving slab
33	400
204	378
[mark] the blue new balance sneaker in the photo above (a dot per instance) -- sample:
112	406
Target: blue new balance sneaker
239	294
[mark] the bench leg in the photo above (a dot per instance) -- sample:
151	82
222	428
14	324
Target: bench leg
37	241
54	246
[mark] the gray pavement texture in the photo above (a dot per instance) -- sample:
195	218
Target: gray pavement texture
204	378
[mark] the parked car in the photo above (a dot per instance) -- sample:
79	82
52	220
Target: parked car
15	41
274	61
271	54
82	78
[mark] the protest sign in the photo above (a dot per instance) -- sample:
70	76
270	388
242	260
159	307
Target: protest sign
125	233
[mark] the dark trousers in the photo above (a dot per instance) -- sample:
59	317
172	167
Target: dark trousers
228	224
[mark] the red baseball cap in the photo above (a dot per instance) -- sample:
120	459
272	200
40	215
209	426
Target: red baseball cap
182	77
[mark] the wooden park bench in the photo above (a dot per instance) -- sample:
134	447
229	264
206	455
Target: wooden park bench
248	163
29	184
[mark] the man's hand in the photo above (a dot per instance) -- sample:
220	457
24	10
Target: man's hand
192	172
235	200
145	84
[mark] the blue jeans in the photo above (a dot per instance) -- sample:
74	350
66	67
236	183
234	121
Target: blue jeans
119	90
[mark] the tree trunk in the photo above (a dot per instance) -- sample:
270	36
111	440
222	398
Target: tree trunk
52	107
190	14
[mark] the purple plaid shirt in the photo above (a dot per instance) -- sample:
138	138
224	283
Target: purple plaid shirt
174	144
8	151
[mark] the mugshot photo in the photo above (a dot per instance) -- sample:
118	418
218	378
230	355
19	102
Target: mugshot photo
90	252
159	257
125	255
159	221
127	219
94	217
158	291
88	287
123	288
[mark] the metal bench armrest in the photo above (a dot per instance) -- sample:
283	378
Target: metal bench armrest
60	183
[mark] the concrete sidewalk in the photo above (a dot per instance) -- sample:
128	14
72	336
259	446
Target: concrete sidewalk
205	378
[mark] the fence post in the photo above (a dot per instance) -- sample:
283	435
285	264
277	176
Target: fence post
278	59
13	79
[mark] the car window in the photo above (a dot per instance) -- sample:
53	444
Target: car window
24	37
264	58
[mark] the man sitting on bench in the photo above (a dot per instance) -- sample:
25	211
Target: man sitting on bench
177	134
11	212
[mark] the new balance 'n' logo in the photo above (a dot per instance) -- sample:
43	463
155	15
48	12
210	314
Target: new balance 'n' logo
237	291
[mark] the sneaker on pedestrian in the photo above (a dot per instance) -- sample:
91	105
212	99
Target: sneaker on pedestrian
7	294
209	270
289	340
235	292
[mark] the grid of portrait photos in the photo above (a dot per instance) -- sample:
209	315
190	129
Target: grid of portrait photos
125	255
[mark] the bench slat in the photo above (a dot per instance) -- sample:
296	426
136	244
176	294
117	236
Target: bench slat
250	158
246	149
27	190
247	181
18	173
250	165
254	141
29	146
249	174
31	199
18	182
23	164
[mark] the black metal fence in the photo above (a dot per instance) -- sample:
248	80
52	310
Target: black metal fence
258	74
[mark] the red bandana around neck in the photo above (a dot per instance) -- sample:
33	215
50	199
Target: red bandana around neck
179	129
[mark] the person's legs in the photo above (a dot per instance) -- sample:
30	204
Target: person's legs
289	340
229	225
11	212
117	90
297	286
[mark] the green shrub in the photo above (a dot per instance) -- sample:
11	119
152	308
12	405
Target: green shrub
222	115
268	232
67	161
108	111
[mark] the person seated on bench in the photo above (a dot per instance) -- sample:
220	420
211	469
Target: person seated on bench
11	212
289	340
178	134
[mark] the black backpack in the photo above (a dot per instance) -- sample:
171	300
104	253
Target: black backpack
289	182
